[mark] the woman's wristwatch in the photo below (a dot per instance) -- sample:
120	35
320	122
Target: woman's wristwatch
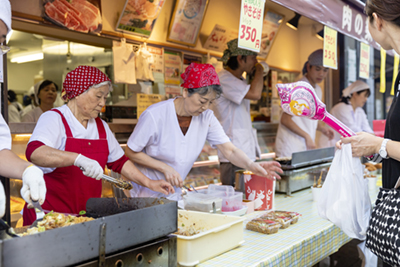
382	151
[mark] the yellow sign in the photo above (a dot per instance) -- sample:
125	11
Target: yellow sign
251	23
146	100
330	48
395	71
364	61
383	71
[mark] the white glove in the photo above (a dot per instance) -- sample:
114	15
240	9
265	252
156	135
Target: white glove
2	200
89	167
33	185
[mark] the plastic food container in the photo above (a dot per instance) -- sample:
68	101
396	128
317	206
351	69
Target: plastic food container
224	233
231	200
202	202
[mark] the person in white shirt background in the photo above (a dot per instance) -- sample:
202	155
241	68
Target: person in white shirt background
295	133
232	109
349	109
45	96
170	135
33	185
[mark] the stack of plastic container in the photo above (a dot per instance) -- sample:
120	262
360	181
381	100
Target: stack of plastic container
231	200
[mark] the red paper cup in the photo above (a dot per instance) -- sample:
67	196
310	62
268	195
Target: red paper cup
260	190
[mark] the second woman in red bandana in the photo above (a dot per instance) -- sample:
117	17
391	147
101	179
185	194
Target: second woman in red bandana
170	135
73	146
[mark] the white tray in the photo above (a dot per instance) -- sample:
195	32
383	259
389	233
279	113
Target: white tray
240	212
225	233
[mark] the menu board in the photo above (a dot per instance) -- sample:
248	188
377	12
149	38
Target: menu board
219	37
138	16
146	100
172	67
77	15
271	24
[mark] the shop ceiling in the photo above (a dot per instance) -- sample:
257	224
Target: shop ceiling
22	42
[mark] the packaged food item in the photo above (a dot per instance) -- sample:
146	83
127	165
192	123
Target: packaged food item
294	215
263	226
283	220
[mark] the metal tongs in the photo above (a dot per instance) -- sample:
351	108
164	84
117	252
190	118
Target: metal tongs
39	213
119	183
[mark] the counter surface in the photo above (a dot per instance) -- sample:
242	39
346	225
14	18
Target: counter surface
302	244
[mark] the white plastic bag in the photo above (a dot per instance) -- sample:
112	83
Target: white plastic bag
344	198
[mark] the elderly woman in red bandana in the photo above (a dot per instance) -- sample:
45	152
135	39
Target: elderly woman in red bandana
73	145
170	135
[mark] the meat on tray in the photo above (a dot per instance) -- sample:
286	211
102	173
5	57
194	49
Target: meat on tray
78	15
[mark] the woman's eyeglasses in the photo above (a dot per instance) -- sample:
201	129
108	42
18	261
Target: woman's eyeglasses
4	49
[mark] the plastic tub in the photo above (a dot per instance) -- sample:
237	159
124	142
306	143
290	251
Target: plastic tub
231	200
224	233
202	202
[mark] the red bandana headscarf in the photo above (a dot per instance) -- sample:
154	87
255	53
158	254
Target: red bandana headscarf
80	79
199	75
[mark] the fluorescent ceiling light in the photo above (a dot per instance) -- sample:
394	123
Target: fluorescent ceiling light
27	58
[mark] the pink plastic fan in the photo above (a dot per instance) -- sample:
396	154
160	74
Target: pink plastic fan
300	99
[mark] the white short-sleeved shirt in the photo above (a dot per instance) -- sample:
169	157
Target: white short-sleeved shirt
5	136
159	135
288	142
233	112
356	120
50	131
33	115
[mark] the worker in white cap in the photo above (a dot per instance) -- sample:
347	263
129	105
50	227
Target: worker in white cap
349	109
33	185
295	133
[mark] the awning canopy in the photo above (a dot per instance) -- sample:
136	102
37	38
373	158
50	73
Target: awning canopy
346	17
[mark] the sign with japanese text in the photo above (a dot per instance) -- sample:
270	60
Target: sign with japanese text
364	61
172	67
382	88
157	64
251	23
146	100
330	48
218	38
338	15
395	71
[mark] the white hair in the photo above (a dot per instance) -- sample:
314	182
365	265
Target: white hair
110	88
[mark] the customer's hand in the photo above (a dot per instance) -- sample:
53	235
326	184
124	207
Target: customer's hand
172	176
362	144
268	169
89	167
33	185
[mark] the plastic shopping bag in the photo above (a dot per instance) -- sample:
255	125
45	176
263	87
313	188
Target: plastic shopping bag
344	198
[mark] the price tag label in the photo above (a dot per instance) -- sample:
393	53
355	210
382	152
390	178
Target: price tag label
251	22
364	61
330	48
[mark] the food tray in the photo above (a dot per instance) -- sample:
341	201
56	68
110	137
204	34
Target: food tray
225	233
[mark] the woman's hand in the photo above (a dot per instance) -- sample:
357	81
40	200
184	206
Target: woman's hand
310	143
362	144
267	169
162	187
172	176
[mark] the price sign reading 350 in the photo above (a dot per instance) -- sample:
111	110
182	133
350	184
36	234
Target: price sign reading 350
330	48
251	22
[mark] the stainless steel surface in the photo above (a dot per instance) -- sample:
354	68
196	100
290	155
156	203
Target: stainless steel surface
80	242
102	245
159	252
37	205
310	157
293	180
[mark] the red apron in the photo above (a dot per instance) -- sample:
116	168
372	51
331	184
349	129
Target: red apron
68	188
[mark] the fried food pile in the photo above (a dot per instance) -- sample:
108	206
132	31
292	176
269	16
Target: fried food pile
54	220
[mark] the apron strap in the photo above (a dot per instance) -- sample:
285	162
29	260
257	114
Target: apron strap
100	128
66	126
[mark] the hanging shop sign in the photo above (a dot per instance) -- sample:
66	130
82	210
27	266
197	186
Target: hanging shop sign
330	48
271	25
172	67
139	17
186	21
219	37
339	15
251	24
382	88
76	15
364	61
395	71
146	100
